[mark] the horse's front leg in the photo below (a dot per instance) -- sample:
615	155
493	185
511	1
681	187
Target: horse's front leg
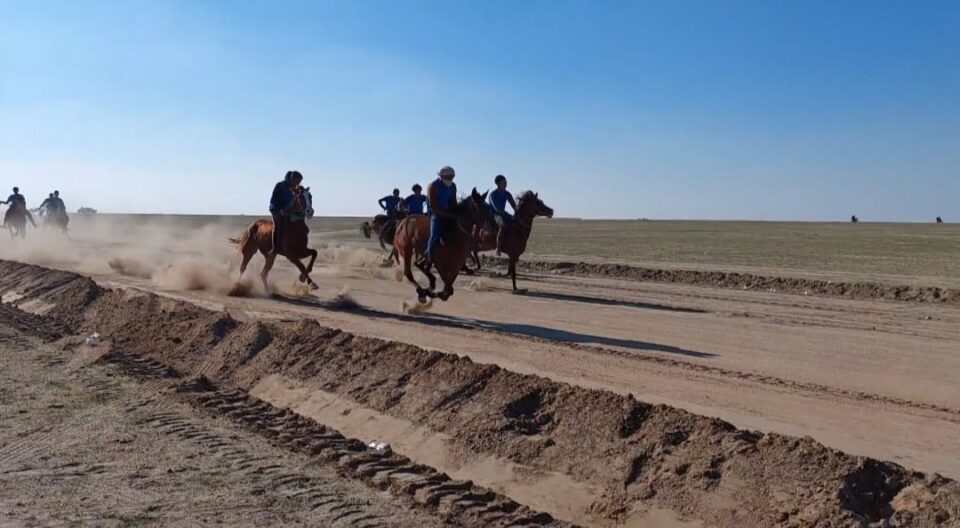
304	274
313	259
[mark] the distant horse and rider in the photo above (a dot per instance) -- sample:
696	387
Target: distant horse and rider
54	212
285	235
17	215
384	226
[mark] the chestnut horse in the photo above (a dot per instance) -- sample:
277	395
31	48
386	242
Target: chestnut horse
293	243
385	228
450	256
529	206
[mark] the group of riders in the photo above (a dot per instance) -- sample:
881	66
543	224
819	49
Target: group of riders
52	208
441	195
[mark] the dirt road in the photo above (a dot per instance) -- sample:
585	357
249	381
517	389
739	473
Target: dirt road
867	377
870	378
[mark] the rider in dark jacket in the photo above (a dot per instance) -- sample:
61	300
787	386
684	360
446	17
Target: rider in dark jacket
280	202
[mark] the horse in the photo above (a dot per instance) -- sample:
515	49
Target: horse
450	256
293	242
385	227
56	219
16	220
939	219
529	206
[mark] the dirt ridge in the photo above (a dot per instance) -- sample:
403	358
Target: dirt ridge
742	281
641	455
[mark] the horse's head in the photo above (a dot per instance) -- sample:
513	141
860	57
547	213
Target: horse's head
530	205
470	210
304	202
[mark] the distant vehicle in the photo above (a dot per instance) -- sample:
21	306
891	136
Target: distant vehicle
86	211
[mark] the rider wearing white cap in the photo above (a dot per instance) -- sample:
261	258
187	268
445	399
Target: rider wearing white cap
442	195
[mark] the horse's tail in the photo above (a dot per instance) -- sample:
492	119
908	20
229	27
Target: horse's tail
366	229
247	235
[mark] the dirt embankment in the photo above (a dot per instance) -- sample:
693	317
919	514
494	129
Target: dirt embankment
640	455
744	281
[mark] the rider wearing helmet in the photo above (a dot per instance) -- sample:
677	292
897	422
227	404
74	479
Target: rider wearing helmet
498	201
391	203
280	202
414	203
442	196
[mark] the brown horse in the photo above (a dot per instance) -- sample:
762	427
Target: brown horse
293	242
411	239
529	206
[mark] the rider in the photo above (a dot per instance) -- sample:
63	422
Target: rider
442	194
391	204
281	200
16	199
47	205
414	203
58	203
498	200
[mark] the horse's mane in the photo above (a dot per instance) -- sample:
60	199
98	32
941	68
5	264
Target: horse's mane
526	195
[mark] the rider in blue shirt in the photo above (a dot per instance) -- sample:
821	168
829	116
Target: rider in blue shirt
391	203
280	201
498	201
16	200
442	195
414	204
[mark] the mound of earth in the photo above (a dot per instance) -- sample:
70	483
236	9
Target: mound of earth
641	456
744	281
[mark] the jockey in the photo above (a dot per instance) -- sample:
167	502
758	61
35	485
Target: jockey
391	203
47	205
414	203
498	200
281	200
58	203
442	196
16	200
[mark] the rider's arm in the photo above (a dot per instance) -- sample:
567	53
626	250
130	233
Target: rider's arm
433	196
511	202
382	202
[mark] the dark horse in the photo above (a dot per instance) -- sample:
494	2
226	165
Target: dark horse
529	206
385	227
57	219
293	243
411	239
16	220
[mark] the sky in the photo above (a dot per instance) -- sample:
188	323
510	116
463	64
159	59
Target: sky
761	110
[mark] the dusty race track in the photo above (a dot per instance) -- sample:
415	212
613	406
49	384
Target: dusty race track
594	399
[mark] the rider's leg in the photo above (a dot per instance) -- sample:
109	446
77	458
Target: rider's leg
501	232
277	227
435	232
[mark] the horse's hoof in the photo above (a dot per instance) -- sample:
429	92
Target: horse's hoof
314	287
303	278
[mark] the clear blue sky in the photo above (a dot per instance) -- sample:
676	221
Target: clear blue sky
762	109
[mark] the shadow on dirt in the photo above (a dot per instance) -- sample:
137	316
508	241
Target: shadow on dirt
611	302
540	332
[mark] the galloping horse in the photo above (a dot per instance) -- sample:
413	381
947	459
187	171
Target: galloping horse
293	241
385	228
529	206
17	218
56	219
411	241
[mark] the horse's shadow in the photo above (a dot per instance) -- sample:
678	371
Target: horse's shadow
612	302
539	332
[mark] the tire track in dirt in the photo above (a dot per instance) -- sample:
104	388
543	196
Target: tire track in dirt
451	498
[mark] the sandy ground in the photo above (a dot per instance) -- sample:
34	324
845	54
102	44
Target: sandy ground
870	378
81	444
873	378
